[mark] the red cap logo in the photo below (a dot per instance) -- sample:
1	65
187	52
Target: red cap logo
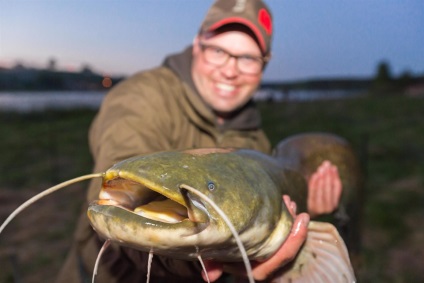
265	20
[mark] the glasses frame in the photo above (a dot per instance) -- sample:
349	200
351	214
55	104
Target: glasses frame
262	59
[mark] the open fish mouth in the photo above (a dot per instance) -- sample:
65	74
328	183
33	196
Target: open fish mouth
148	203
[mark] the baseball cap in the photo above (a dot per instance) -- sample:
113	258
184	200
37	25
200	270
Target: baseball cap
252	13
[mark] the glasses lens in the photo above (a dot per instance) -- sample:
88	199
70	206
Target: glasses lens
249	65
218	57
215	55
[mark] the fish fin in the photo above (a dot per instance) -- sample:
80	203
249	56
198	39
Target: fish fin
323	258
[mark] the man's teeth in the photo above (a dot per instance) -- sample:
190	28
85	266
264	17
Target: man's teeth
225	87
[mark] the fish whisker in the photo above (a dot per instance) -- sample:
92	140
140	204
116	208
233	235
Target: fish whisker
149	265
45	193
199	257
230	226
96	265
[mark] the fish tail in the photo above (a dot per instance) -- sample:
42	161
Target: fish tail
323	258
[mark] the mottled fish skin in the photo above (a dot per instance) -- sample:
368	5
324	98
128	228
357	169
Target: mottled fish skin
303	153
247	185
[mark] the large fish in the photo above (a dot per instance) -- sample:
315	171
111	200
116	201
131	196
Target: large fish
144	204
152	203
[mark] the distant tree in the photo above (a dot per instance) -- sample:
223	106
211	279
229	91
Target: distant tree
47	80
52	64
405	79
19	66
86	69
383	72
383	81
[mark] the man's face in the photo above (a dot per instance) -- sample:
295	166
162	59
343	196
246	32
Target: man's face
224	87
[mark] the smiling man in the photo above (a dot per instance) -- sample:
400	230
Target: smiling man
226	79
201	97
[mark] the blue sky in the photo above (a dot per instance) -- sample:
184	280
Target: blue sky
312	38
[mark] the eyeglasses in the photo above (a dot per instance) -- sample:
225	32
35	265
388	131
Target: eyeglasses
246	64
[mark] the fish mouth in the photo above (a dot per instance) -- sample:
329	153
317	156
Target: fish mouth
153	202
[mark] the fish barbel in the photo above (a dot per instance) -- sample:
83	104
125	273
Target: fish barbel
143	205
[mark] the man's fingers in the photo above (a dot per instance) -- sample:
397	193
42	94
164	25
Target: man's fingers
328	188
214	270
312	193
338	187
291	205
287	251
324	189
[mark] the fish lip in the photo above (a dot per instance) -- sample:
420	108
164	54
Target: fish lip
197	207
196	211
109	211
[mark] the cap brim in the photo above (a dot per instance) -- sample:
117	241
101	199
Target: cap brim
245	22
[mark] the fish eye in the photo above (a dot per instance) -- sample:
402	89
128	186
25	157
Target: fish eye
211	186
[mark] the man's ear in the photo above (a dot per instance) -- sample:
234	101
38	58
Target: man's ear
267	59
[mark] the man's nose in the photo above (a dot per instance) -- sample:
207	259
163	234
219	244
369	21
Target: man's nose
230	68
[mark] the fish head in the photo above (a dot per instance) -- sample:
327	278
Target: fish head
143	204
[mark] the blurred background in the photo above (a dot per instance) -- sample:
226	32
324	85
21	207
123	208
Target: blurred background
353	68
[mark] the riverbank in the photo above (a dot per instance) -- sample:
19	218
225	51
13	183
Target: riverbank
42	149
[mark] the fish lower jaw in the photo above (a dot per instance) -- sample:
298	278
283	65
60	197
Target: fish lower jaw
166	211
127	228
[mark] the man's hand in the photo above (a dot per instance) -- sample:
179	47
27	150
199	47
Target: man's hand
324	190
286	253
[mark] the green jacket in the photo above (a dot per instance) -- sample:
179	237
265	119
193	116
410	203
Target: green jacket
153	110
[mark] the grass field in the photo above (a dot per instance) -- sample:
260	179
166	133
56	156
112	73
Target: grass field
41	149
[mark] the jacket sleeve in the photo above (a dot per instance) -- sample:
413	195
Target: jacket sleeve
133	120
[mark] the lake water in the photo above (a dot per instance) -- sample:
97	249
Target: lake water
40	101
305	95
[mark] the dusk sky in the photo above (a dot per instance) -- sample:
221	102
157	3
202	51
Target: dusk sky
313	38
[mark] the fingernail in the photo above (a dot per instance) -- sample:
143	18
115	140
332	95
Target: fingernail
303	222
294	207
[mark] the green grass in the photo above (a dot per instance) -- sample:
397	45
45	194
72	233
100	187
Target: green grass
42	149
